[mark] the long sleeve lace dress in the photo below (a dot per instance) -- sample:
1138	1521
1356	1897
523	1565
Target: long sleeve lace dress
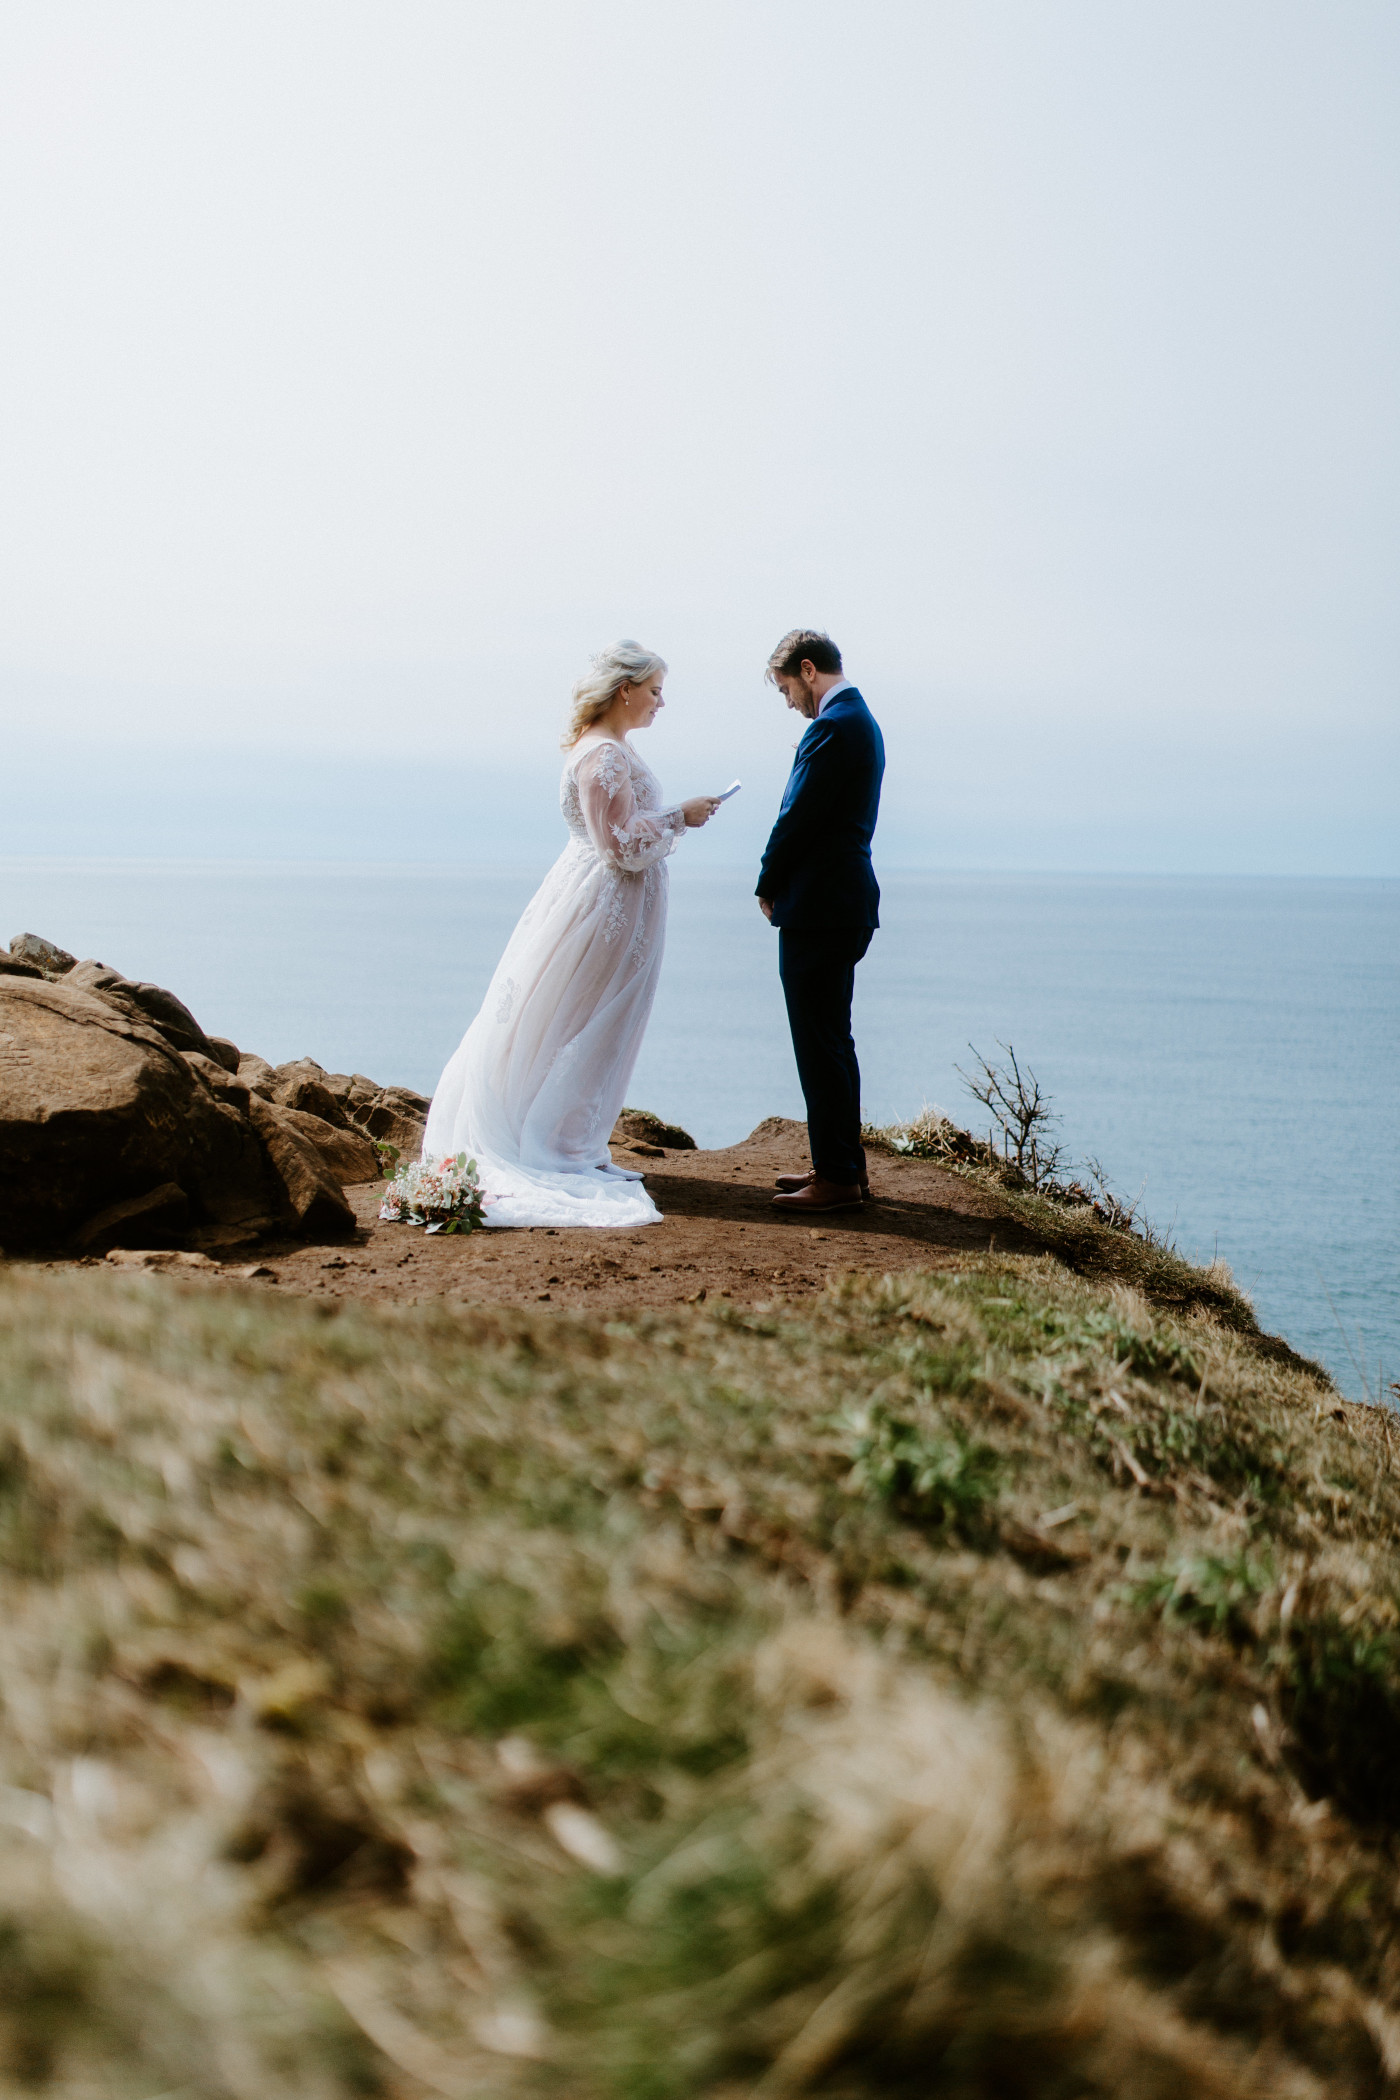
536	1084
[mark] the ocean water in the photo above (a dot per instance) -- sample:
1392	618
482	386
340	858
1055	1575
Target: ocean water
1228	1046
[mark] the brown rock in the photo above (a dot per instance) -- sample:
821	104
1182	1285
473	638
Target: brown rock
156	1219
404	1133
94	1109
158	1258
782	1128
350	1156
257	1075
33	948
222	1083
642	1128
91	976
302	1084
315	1100
293	1068
397	1116
229	1174
349	1088
97	1109
224	1052
312	1196
162	1010
11	966
229	1169
409	1100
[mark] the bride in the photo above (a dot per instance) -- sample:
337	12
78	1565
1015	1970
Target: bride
538	1080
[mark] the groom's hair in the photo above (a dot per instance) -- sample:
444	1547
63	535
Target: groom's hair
807	643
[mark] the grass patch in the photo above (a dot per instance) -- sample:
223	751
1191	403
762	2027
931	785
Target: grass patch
935	1686
925	1476
1089	1230
1215	1594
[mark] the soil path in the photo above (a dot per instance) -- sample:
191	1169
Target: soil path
719	1235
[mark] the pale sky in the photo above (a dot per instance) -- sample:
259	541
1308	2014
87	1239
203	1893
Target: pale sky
363	367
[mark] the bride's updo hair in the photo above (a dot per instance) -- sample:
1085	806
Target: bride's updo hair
620	664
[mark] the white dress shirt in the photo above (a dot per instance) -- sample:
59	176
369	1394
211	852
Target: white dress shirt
842	685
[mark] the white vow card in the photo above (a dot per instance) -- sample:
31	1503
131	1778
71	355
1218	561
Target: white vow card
732	789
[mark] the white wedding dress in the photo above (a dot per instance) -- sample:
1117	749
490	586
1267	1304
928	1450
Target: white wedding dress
536	1084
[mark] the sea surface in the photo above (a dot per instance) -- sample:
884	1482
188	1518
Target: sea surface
1226	1046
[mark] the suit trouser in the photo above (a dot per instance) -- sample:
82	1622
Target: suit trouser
818	969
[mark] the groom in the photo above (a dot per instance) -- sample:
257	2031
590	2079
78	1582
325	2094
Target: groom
816	885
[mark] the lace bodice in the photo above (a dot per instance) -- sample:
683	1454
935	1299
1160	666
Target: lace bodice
611	801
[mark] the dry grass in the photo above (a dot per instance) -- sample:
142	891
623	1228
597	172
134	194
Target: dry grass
975	1686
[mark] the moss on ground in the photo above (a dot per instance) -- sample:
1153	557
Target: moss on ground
984	1684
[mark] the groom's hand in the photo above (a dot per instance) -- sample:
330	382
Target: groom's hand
765	905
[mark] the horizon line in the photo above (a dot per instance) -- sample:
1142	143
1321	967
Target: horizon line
328	863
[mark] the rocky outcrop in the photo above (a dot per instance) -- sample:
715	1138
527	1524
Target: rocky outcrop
45	955
97	1108
638	1128
121	1121
256	1073
391	1116
396	1116
302	1085
316	1198
93	976
349	1156
148	1002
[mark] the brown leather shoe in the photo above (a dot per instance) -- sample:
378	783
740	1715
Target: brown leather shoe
789	1182
821	1195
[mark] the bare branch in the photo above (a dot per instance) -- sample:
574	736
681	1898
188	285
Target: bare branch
1019	1110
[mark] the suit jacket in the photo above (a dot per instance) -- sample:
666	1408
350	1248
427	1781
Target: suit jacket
816	867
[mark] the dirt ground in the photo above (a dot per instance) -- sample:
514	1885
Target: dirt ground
719	1235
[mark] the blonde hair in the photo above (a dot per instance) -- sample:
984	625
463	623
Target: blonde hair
620	664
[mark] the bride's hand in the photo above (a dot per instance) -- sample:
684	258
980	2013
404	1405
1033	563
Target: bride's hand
699	810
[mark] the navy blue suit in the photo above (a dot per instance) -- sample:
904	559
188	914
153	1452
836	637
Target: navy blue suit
818	877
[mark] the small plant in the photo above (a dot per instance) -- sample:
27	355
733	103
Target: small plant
1148	1354
931	1135
1110	1205
928	1478
1018	1151
1020	1111
442	1194
491	1669
1215	1595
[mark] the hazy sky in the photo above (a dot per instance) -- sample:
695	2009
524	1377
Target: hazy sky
363	367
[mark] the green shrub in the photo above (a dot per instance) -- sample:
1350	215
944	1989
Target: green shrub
926	1474
1217	1595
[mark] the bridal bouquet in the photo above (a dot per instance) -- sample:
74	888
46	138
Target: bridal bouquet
443	1194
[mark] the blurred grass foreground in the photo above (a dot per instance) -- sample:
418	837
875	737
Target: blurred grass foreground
976	1684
